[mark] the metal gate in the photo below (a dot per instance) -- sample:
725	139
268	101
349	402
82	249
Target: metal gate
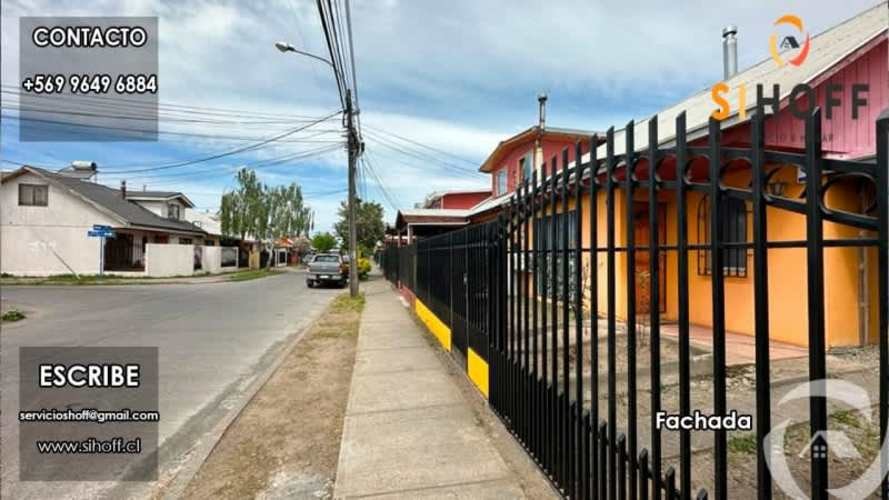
528	296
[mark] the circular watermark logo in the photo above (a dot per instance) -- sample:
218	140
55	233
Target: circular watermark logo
826	442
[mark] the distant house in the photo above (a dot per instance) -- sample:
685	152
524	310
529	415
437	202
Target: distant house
456	198
45	217
208	222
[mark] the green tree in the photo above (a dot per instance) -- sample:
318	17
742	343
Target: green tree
323	242
263	212
371	227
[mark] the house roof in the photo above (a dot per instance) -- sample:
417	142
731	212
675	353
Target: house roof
829	48
159	195
431	216
435	195
550	132
110	201
205	220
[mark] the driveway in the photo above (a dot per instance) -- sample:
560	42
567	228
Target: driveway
213	341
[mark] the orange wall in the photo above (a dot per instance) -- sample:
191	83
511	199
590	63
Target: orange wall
787	269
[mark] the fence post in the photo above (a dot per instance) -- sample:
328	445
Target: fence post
815	279
882	191
718	298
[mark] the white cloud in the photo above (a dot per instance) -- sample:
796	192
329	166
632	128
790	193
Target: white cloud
459	76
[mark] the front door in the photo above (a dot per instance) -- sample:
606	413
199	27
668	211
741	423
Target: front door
643	281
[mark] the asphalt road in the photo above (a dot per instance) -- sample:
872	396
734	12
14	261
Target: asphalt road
213	341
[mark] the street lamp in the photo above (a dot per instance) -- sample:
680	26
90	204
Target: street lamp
354	149
286	47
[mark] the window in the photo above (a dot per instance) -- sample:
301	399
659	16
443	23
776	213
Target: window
173	211
500	182
734	230
33	195
543	240
525	165
185	241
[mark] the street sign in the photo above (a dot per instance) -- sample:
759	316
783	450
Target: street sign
100	227
100	234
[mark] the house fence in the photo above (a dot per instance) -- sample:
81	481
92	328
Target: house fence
513	301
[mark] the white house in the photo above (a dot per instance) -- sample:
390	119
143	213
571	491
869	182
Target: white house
45	217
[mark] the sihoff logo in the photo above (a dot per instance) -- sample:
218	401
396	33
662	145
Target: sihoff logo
803	97
789	42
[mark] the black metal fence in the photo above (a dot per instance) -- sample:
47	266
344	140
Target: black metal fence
527	294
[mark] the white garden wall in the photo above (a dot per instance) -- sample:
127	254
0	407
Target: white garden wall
165	260
211	260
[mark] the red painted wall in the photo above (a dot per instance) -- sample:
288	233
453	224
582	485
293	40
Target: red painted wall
462	200
551	148
842	137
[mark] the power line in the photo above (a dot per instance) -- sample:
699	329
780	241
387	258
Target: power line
382	188
352	59
62	123
270	162
161	105
420	156
426	146
226	153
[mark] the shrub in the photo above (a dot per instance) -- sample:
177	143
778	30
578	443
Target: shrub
363	268
13	315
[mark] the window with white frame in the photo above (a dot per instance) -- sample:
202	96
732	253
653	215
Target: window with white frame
500	182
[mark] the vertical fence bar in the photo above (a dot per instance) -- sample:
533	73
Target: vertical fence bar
654	293
564	255
535	394
882	190
815	279
718	297
629	190
544	360
643	474
510	320
604	459
670	486
761	306
580	458
554	293
612	320
683	306
594	311
622	465
521	314
526	318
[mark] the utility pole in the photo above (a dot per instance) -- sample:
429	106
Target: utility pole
354	147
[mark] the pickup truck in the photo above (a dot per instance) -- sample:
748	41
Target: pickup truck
327	268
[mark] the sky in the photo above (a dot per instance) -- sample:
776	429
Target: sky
439	84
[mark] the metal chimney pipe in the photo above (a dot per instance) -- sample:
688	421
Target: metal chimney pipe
729	51
541	100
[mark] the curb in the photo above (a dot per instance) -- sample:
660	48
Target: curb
184	471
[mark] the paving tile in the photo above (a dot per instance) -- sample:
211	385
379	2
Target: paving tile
374	392
432	447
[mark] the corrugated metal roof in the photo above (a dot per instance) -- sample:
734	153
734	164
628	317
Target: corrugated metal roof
439	212
828	49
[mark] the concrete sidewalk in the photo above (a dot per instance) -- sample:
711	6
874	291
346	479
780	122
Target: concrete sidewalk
410	431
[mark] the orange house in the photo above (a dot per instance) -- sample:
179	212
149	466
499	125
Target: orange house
852	53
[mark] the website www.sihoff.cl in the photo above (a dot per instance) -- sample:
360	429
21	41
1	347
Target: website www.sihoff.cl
116	445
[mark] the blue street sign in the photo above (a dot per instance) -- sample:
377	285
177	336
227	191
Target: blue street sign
100	227
100	234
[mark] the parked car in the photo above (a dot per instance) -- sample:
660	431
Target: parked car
327	268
